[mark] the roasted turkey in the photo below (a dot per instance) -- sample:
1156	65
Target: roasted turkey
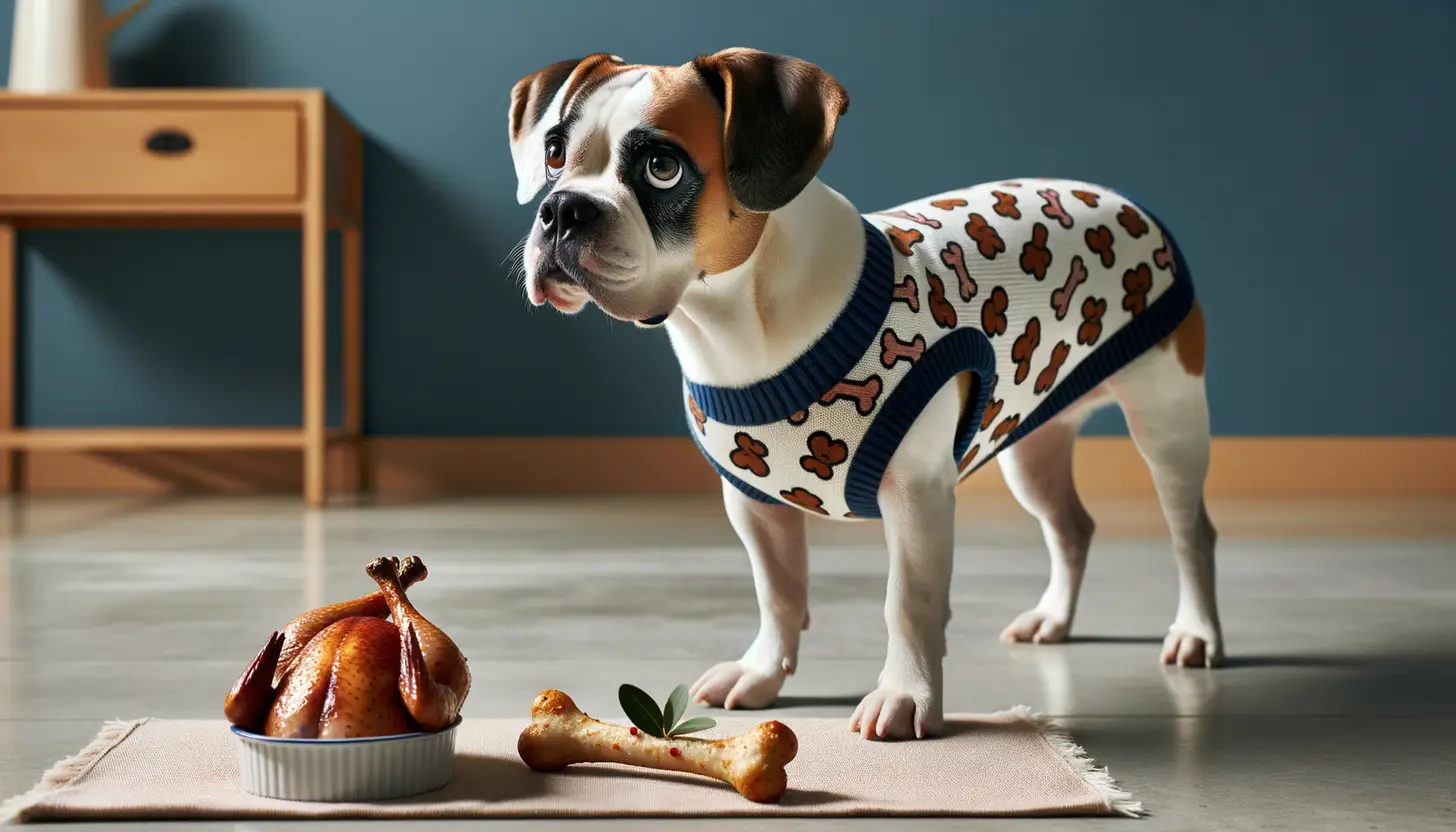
345	671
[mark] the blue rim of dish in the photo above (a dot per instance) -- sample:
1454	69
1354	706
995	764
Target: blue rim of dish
251	737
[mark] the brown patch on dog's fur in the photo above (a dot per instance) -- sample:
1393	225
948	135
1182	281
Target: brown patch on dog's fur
533	94
589	74
681	106
1190	340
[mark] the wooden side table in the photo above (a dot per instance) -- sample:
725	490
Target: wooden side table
191	159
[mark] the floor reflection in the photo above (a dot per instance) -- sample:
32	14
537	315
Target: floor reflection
1054	670
1192	691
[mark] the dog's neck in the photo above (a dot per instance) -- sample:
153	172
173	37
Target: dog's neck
742	325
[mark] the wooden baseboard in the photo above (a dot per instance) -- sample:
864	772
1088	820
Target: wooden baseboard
419	466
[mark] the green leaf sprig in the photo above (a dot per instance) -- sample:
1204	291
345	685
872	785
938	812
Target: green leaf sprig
666	722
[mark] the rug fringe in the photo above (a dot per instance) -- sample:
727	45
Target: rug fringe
65	771
1076	757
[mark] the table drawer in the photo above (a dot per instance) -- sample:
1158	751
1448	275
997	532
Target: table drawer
151	152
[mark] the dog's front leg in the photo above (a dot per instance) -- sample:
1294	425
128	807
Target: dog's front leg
778	552
917	501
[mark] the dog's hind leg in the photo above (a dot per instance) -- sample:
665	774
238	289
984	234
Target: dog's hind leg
1038	470
777	546
1163	396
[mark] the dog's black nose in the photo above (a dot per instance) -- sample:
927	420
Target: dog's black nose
566	213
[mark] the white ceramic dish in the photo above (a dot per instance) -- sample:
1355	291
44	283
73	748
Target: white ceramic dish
349	770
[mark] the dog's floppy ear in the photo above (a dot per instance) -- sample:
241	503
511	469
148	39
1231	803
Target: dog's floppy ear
779	117
537	102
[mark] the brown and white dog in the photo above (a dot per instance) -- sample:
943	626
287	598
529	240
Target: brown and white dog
688	196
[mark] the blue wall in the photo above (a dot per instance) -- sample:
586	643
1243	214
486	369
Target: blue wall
1301	150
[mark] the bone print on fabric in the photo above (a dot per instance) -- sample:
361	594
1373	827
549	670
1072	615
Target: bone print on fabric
993	313
1053	208
1025	347
1091	328
1137	283
1006	205
862	393
1130	219
915	218
1062	298
945	283
825	452
1047	378
893	350
942	311
988	240
908	292
1099	241
905	238
749	455
805	499
954	258
1007	426
970	457
993	404
1036	258
1163	257
698	418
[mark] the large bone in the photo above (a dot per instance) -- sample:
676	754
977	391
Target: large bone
561	735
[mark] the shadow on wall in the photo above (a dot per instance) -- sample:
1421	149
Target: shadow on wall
194	46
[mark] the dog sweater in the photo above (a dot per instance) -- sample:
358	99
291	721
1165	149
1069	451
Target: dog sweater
1041	288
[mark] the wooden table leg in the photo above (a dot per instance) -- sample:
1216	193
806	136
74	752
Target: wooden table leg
315	354
9	297
353	359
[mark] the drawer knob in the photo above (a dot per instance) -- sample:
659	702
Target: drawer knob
168	142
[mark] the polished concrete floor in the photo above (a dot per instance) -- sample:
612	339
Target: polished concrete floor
1338	711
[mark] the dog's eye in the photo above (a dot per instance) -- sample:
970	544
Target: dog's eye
663	170
555	155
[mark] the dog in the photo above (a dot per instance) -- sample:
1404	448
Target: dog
858	366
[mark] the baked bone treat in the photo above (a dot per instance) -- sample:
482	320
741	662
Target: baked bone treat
753	763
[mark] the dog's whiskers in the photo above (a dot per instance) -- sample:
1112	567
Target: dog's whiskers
515	260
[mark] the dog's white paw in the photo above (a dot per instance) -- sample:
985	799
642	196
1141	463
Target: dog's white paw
892	714
1038	627
1187	647
737	685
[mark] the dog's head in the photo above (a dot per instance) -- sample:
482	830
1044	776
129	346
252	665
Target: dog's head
657	176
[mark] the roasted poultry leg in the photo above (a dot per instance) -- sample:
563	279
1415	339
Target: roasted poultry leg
433	675
301	630
255	691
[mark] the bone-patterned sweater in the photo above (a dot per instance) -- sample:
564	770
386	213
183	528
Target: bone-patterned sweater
1042	288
